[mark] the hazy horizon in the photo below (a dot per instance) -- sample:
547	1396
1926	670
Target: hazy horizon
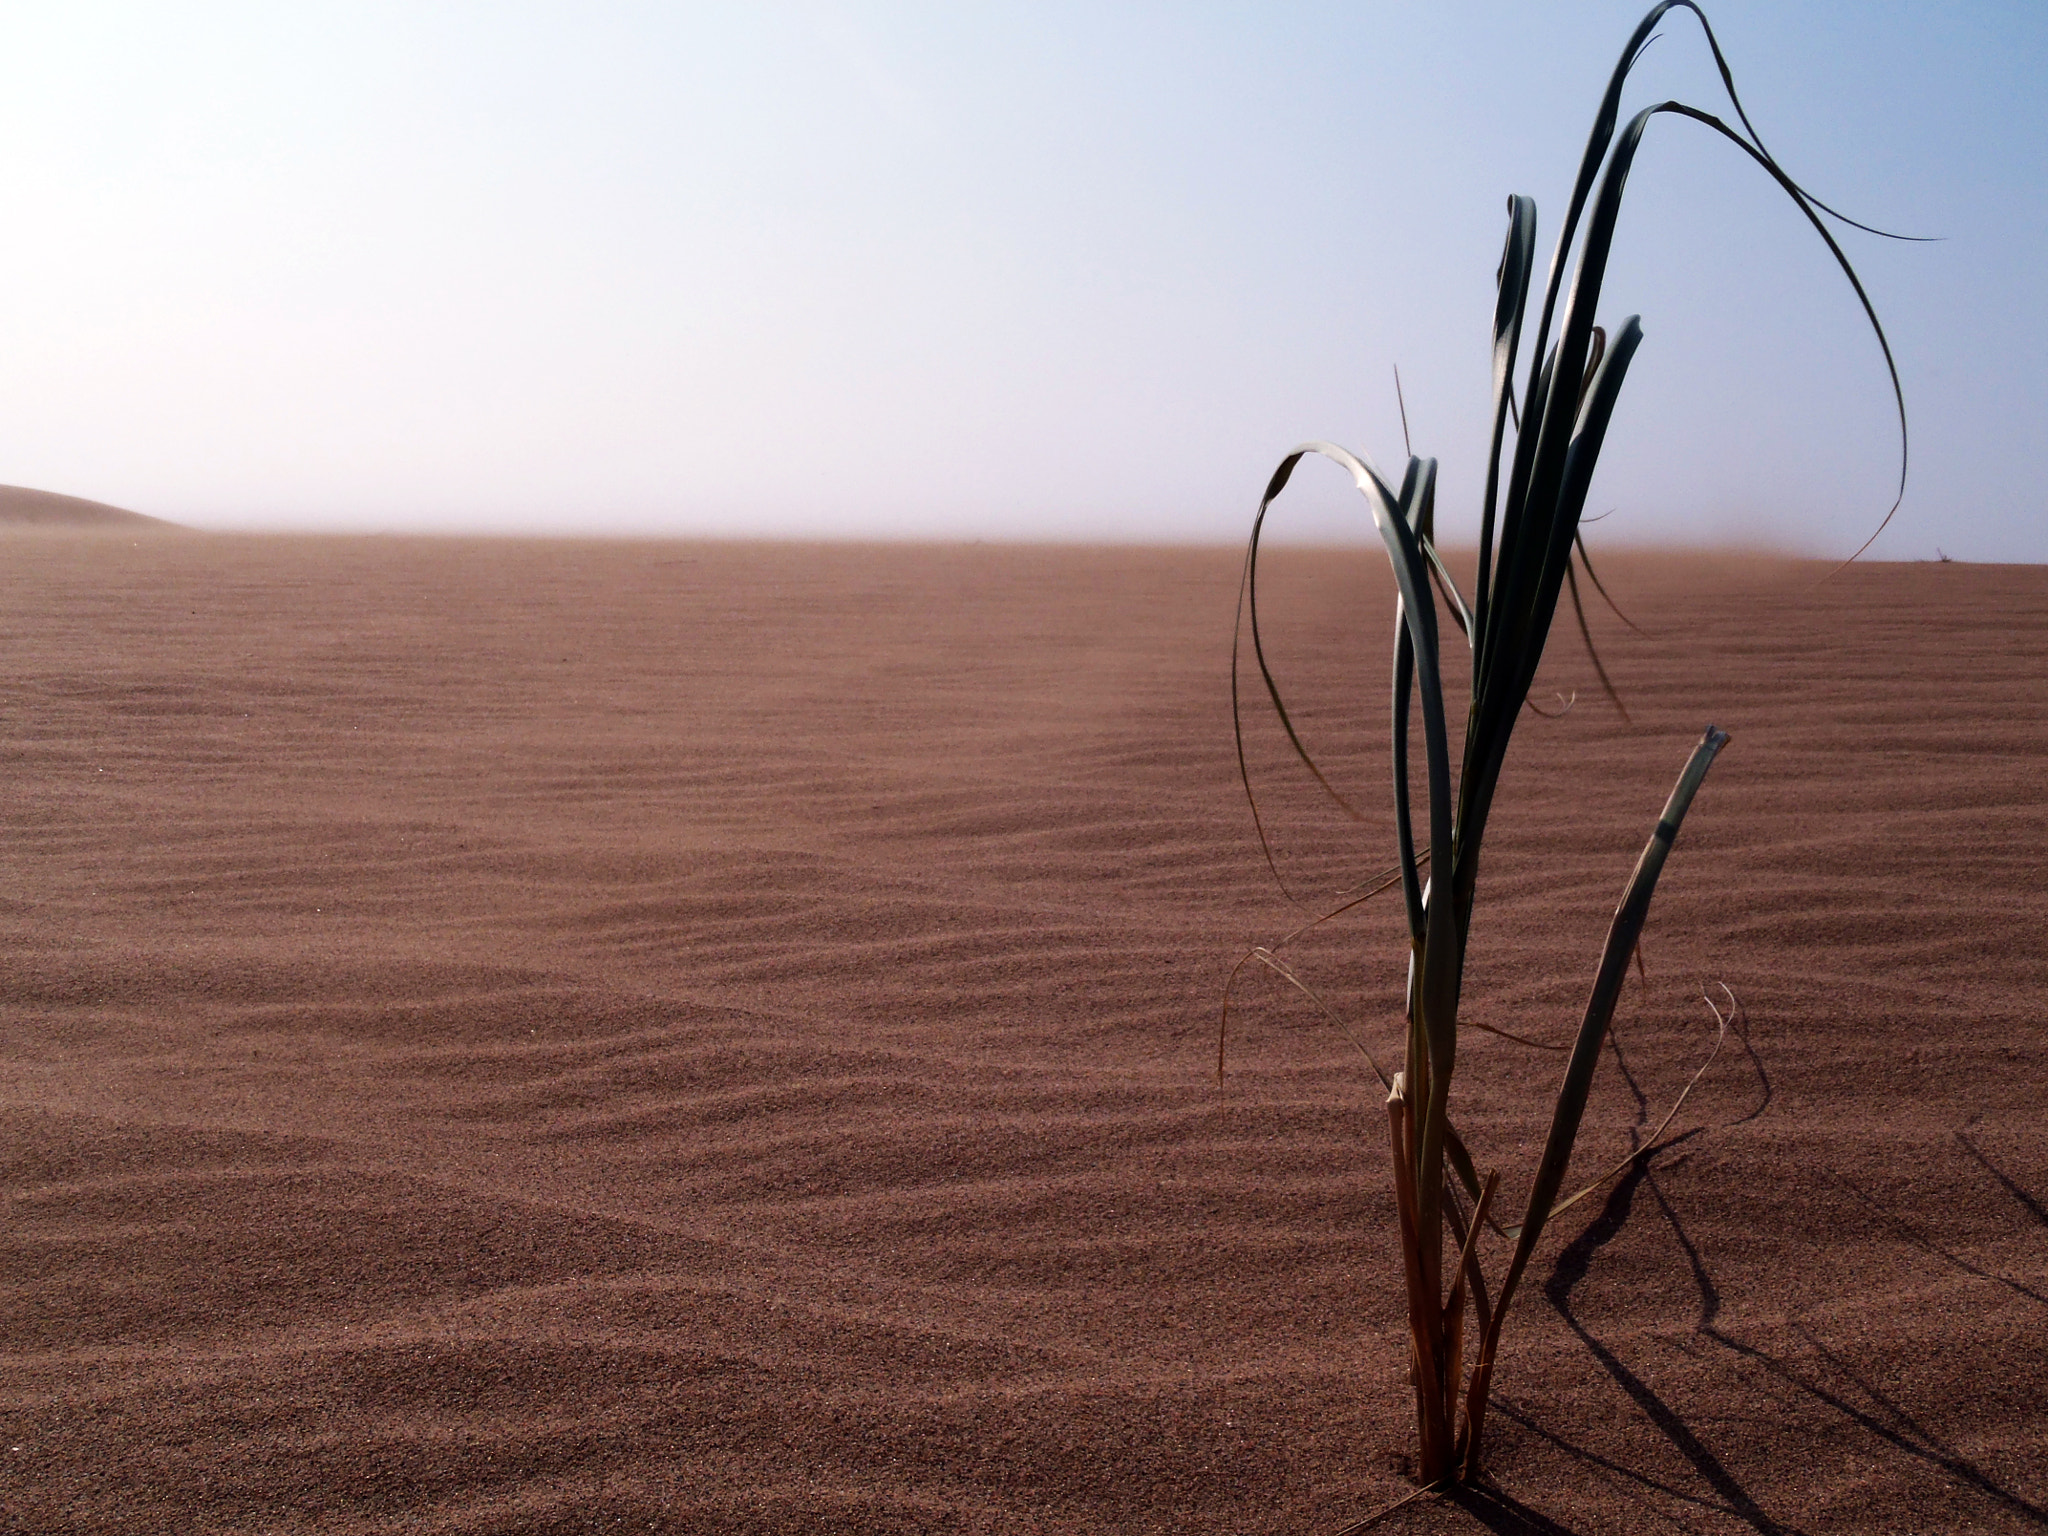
843	270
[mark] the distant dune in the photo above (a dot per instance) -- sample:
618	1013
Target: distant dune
21	507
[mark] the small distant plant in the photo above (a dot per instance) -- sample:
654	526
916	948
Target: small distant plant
1528	531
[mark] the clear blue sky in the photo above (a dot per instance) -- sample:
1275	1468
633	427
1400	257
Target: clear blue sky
991	270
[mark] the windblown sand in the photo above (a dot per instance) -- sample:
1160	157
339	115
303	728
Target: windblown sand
561	1037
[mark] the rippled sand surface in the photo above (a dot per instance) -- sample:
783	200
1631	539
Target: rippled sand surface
560	1037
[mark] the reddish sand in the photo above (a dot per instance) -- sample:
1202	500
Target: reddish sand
524	1037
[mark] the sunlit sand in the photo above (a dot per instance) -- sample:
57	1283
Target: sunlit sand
511	1036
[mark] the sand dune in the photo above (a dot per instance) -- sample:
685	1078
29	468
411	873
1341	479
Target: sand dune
525	1037
21	507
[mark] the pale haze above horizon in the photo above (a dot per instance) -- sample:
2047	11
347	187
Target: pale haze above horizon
1004	271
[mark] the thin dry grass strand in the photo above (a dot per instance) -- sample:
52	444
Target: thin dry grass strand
1586	561
1496	1030
1454	1147
1358	1527
1469	1264
1656	1139
1447	589
1453	1322
1280	968
1468	1240
1592	653
1371	886
1248	608
1380	882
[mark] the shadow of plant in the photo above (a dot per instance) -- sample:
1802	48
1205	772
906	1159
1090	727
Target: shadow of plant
1501	1512
1927	1245
2032	1206
1572	1266
1876	1414
1884	1419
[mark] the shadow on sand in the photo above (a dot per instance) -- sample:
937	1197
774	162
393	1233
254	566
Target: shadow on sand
1865	1404
1502	1513
1877	1415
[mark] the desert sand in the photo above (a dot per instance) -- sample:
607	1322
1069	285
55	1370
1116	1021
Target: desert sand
538	1037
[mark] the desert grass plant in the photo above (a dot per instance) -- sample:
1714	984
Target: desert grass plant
1540	464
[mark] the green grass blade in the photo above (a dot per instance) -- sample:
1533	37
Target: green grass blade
1597	143
1404	818
1248	610
1435	982
1586	560
1742	115
1388	509
1808	206
1507	565
1411	576
1582	455
1517	261
1422	521
1592	652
